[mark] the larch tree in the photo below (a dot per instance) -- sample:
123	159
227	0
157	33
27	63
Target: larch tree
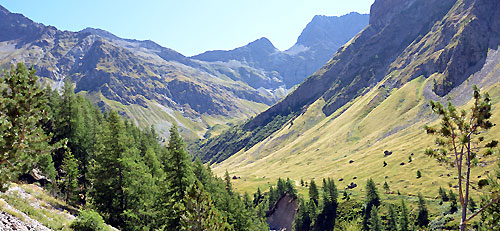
372	200
461	136
179	176
314	193
23	110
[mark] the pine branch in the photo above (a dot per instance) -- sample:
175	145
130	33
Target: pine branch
483	208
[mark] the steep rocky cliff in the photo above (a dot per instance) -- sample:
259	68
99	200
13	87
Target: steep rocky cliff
445	42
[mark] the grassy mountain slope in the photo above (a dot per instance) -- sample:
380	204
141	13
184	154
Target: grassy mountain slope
131	76
373	103
141	78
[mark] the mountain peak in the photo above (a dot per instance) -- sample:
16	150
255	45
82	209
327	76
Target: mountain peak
262	43
324	28
3	10
99	32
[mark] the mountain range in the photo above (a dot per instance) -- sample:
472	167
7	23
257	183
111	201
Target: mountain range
371	98
154	85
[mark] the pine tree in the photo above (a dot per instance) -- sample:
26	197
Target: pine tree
70	169
313	193
419	174
459	136
391	219
227	180
303	220
273	197
423	212
23	110
290	189
200	213
257	197
180	176
107	178
443	195
386	187
374	223
139	192
404	221
453	202
247	201
326	219
372	200
280	187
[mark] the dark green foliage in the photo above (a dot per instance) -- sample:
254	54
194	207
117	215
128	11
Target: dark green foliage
472	205
419	174
372	200
23	111
227	179
257	197
443	195
108	183
345	196
303	219
459	143
391	219
404	220
118	169
70	168
88	220
386	187
326	218
179	173
453	202
313	193
290	188
374	223
423	212
238	137
200	214
282	188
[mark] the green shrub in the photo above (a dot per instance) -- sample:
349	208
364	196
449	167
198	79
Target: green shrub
88	220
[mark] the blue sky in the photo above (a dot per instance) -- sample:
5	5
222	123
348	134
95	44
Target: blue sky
188	26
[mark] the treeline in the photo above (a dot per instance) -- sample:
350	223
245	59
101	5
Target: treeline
100	162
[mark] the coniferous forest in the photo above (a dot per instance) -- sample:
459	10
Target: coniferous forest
105	164
131	179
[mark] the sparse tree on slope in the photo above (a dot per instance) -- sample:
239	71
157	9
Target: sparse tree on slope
423	212
458	136
372	200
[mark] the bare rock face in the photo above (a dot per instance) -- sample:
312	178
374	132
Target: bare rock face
12	223
283	214
448	40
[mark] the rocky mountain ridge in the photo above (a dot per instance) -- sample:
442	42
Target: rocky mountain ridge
142	77
319	40
372	96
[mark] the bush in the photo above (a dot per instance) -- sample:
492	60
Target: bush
88	220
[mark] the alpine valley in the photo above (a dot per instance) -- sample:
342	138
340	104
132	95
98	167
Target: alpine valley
154	85
355	104
372	99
